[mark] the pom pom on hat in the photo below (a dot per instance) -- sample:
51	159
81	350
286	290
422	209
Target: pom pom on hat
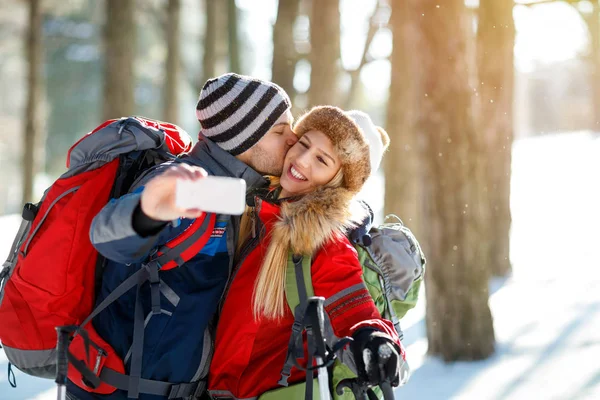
376	136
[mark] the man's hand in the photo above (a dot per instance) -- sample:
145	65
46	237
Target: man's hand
158	197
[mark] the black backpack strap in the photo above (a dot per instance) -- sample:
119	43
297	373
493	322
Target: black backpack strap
149	386
133	383
295	345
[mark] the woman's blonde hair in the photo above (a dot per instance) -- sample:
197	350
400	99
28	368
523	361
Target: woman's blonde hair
269	288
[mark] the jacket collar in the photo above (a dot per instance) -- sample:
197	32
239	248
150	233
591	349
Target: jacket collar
210	154
305	224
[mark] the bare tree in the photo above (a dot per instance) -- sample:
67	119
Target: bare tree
593	24
459	321
355	73
402	172
234	45
173	60
119	39
284	52
325	52
210	41
495	43
32	109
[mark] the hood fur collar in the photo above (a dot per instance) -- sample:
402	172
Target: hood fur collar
306	224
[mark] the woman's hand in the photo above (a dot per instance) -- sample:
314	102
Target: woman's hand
378	358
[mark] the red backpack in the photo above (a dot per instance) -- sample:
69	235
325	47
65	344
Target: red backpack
52	272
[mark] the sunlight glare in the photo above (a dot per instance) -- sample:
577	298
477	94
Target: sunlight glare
548	33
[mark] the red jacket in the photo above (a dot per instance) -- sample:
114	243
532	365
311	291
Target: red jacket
249	355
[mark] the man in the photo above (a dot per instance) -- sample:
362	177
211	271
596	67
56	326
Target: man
246	132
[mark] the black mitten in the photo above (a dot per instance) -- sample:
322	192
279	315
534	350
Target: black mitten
378	358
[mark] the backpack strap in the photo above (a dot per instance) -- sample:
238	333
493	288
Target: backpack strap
298	288
298	281
185	246
174	254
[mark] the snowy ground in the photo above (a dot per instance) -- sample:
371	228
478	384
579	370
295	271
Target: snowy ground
546	316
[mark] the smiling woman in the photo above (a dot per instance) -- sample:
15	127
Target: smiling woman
323	172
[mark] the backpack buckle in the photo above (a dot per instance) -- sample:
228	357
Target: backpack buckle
30	210
153	267
283	381
4	272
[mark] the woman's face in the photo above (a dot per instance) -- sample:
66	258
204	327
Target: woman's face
312	162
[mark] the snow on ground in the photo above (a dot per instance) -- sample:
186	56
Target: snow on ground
546	315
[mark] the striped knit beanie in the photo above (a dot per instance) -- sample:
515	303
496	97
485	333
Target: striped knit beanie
235	111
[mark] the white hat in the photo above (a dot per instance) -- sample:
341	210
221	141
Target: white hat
377	137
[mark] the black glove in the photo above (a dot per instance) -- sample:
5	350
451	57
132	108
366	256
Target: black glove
378	358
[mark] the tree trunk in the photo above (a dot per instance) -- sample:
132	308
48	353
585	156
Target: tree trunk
402	196
171	112
325	52
209	58
495	49
593	24
31	135
284	52
120	39
459	321
234	45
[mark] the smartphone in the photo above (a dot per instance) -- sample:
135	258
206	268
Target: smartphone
216	194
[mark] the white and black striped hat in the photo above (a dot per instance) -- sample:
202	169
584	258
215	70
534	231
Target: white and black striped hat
235	111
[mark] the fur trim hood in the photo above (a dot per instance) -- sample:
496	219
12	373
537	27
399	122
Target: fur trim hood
306	224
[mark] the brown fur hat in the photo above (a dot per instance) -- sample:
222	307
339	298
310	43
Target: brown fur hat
348	140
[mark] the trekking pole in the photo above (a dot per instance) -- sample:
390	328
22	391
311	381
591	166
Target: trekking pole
384	351
62	363
316	320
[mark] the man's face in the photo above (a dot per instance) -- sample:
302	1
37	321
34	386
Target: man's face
268	154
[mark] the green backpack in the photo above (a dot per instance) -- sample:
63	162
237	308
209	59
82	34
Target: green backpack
393	268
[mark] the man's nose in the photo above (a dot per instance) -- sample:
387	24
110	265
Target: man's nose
291	137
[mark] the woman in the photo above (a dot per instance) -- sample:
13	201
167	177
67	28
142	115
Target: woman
307	213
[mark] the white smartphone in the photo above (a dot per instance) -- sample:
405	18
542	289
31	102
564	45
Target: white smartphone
216	194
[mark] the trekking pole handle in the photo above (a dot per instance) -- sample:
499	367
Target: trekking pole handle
62	362
316	319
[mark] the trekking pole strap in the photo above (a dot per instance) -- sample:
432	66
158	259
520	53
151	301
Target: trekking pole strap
295	348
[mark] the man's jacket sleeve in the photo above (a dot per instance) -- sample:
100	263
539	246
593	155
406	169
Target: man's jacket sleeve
112	232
